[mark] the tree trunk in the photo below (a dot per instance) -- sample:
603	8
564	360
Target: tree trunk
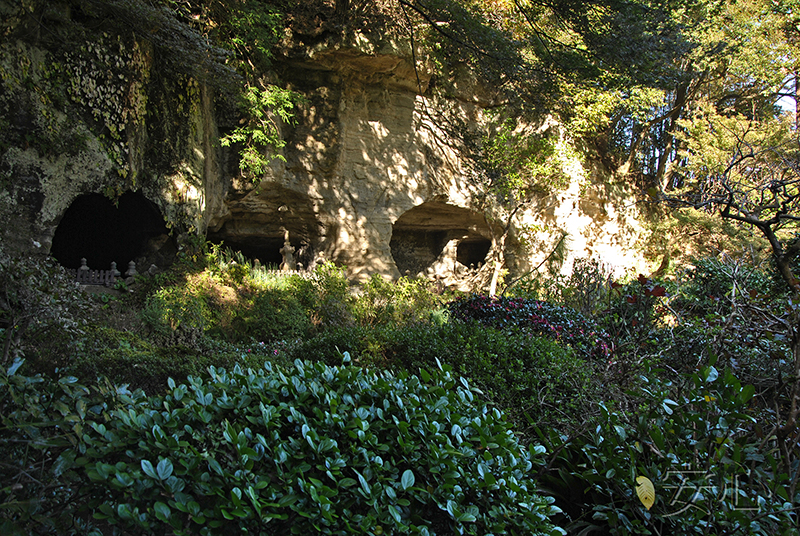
342	7
796	98
663	173
498	260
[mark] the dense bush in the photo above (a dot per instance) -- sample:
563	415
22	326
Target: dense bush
730	309
699	443
585	289
126	358
527	376
308	450
267	315
40	306
395	302
558	322
633	311
329	345
325	297
215	305
41	424
188	306
713	285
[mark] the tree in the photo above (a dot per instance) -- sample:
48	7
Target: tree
251	29
740	58
537	57
517	164
745	167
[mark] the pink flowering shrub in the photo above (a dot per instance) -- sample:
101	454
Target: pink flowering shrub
557	322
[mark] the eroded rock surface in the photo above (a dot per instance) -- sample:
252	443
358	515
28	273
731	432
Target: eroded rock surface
373	176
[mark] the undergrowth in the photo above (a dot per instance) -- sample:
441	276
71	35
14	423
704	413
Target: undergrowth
618	380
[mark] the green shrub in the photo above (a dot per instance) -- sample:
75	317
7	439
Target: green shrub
714	284
333	304
40	307
633	311
558	322
703	447
266	315
584	290
394	302
325	297
310	449
41	422
126	358
528	377
531	378
730	309
328	345
223	308
313	450
175	307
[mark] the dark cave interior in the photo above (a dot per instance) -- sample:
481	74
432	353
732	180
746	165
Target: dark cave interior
96	228
265	249
420	235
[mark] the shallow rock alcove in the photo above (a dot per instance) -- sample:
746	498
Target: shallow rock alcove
258	223
438	239
103	231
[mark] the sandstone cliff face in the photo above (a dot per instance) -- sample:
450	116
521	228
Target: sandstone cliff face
362	154
91	119
373	178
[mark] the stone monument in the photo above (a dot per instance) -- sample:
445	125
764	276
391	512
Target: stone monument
287	251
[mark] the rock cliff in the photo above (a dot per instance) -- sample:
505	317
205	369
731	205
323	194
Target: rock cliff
373	176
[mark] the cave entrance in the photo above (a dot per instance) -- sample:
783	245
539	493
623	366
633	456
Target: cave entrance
258	224
102	232
472	251
434	238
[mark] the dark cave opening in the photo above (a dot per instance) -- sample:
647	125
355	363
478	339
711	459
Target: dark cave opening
97	229
473	251
427	234
415	250
266	249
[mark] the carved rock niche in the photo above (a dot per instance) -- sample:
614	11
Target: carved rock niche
438	240
258	222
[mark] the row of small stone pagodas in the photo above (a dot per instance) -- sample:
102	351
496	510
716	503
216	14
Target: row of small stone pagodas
86	276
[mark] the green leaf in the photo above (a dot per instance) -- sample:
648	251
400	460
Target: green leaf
252	494
215	466
452	509
407	480
466	518
395	513
147	467
15	366
364	484
347	482
164	469
162	511
125	479
287	500
747	392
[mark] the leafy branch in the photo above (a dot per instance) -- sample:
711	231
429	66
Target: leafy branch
260	135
